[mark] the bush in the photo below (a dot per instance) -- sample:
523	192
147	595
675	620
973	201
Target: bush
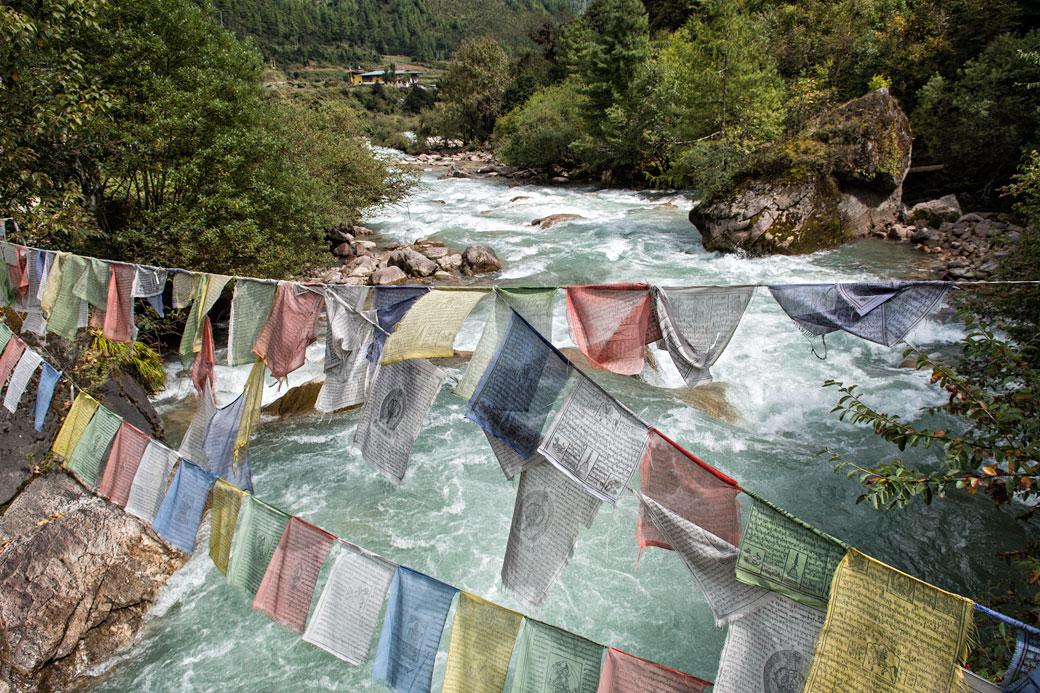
541	131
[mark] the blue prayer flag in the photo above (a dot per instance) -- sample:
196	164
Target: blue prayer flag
181	511
49	377
219	445
390	304
415	615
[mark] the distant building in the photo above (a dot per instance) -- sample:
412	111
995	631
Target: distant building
402	78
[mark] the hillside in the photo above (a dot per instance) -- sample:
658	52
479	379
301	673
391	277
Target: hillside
298	32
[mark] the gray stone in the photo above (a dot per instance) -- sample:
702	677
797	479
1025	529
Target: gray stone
546	222
450	263
970	218
442	276
412	262
387	276
479	259
436	252
934	212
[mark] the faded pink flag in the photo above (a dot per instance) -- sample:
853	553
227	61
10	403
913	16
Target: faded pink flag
288	585
202	367
123	460
291	326
688	487
18	273
611	323
119	308
625	673
12	352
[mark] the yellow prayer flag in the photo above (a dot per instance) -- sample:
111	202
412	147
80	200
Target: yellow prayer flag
227	500
251	411
53	285
428	329
482	639
80	414
888	631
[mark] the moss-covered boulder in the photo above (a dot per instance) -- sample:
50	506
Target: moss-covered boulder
837	181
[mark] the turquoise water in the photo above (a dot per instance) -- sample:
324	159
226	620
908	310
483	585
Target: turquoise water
450	517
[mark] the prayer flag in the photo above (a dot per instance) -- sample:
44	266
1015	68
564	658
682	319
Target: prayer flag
711	561
519	388
49	377
888	631
291	326
9	358
127	450
688	487
347	341
482	639
390	304
80	414
347	612
227	501
191	445
625	673
595	440
253	394
535	305
1023	674
20	377
259	529
207	289
428	329
880	312
65	311
288	585
85	460
34	321
119	307
202	366
611	324
149	283
149	487
92	285
781	553
181	511
415	614
550	659
219	445
5	335
770	649
250	308
697	324
547	516
184	287
509	459
393	416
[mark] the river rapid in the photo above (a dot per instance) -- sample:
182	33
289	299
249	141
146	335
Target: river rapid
450	517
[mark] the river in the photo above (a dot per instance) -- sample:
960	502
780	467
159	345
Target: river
450	517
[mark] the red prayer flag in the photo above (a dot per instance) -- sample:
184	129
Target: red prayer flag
123	460
18	273
688	487
625	673
202	367
291	326
12	352
288	585
611	323
119	308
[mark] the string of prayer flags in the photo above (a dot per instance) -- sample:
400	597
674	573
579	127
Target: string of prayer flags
149	284
219	445
119	306
347	612
880	312
1023	674
611	324
291	326
253	395
534	304
250	307
207	289
888	631
85	460
519	388
711	561
482	639
595	440
428	329
202	366
259	529
625	673
550	659
415	614
689	488
347	341
10	356
393	416
781	553
20	376
770	649
149	487
390	304
181	511
223	518
697	324
288	585
123	460
547	516
49	377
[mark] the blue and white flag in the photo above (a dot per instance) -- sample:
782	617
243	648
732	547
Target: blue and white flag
181	511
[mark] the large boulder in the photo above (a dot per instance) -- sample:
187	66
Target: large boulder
838	181
412	262
478	259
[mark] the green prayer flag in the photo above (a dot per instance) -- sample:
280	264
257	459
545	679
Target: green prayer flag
92	285
249	310
259	530
5	331
551	660
64	318
227	501
781	553
85	460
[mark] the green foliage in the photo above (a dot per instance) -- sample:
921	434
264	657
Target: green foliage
138	360
472	90
540	132
879	82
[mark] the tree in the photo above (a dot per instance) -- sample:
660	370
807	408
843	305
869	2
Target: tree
541	131
472	88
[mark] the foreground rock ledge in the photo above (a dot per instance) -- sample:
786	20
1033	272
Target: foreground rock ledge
838	181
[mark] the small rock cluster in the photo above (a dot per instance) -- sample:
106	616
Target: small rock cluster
473	164
364	262
969	246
